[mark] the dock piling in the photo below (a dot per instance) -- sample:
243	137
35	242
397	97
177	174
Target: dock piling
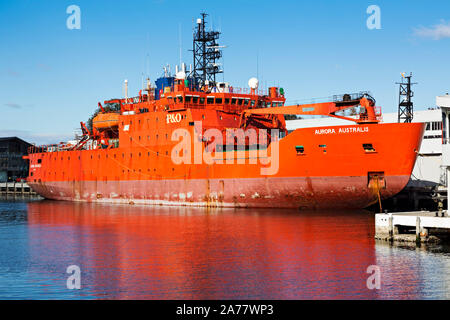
399	227
391	227
418	230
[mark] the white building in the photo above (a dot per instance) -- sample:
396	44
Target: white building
428	169
444	103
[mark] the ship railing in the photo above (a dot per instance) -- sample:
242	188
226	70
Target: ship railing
238	90
132	100
333	98
349	96
49	148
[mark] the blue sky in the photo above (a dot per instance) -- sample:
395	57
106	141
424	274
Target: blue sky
51	77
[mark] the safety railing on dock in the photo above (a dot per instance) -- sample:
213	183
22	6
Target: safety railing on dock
16	188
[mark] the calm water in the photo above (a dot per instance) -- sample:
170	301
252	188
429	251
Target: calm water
142	252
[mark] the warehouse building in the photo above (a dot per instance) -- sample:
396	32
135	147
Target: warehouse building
12	166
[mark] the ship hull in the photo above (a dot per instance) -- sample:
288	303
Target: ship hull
336	170
294	192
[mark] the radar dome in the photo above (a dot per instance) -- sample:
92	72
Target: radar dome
253	83
181	75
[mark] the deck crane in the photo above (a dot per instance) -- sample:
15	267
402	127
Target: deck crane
368	111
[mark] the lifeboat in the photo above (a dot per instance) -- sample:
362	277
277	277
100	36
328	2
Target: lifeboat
105	121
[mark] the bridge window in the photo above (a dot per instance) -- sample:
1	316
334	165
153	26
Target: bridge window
227	100
202	100
233	101
252	103
195	100
187	99
246	102
180	99
210	100
218	100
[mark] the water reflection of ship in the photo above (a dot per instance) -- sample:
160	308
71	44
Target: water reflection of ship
186	253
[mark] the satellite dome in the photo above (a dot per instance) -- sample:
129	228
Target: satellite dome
253	83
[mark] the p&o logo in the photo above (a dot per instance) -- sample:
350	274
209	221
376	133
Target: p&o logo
173	118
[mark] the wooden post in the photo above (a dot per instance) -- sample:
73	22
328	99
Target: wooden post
391	227
418	230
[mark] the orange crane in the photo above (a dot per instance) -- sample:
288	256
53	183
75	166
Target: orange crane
368	112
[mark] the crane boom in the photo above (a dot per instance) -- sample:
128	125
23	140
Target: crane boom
368	113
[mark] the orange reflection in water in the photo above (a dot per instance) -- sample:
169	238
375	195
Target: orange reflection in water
144	252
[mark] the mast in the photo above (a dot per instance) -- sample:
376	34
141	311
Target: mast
206	52
405	104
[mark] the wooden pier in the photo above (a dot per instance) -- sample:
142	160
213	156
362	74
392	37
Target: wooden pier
16	188
416	226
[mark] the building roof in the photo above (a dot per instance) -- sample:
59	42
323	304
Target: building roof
16	139
443	101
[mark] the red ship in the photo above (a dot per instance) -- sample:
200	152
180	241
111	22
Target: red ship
194	141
